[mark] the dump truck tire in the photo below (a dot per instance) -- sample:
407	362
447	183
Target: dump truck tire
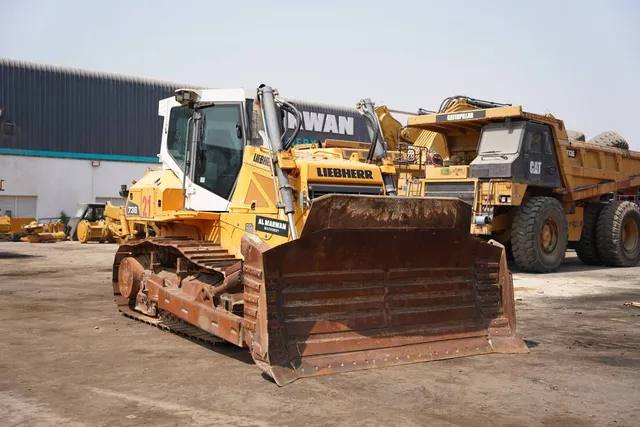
587	249
610	139
574	135
539	235
618	234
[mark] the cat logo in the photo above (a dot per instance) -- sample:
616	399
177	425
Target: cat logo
535	167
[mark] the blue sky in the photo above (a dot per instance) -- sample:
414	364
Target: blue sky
579	60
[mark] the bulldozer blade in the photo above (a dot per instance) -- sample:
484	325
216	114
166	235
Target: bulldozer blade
376	281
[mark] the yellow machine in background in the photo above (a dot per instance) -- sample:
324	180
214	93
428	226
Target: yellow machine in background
44	232
12	228
114	227
306	256
530	187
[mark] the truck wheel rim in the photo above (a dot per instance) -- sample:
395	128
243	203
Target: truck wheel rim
629	235
549	236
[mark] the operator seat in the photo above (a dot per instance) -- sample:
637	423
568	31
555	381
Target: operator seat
219	164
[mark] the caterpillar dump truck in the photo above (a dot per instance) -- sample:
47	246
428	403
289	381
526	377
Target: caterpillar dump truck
530	186
302	255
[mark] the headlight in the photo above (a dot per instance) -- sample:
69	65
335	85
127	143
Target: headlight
505	199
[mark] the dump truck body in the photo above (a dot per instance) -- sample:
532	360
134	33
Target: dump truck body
507	163
308	262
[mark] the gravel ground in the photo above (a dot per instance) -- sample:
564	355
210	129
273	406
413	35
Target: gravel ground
68	358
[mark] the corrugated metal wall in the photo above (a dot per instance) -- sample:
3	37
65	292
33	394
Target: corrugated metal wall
51	110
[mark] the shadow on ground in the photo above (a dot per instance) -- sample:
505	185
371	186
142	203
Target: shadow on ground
16	255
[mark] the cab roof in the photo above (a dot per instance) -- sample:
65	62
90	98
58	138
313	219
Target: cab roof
472	120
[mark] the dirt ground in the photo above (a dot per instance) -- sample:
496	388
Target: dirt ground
68	358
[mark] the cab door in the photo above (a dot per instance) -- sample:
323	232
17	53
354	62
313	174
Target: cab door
532	155
540	164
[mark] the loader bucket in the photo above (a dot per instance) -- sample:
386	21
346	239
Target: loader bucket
376	281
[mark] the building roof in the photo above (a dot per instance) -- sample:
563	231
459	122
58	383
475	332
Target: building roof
54	68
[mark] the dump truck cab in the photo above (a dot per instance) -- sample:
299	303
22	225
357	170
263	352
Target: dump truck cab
522	151
495	157
530	186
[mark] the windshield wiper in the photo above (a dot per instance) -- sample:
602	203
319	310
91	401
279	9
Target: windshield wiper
492	153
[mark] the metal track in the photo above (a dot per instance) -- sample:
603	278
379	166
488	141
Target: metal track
205	255
175	326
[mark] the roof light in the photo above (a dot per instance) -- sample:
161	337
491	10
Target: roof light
184	96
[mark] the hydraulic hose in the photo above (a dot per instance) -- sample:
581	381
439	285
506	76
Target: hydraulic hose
290	108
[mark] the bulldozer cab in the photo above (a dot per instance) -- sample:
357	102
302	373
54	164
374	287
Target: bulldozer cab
206	132
521	150
205	142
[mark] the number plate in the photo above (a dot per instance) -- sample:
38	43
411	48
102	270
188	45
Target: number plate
132	209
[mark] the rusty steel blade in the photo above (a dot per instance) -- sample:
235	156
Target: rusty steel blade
376	281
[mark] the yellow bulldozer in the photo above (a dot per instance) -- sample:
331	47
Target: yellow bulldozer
532	185
303	255
44	230
12	228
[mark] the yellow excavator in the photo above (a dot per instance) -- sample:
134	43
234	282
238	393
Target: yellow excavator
304	255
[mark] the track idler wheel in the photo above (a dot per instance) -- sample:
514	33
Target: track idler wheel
130	277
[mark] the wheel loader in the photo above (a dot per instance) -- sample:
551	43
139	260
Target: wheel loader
86	214
530	186
104	223
304	256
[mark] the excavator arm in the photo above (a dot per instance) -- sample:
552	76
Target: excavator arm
395	133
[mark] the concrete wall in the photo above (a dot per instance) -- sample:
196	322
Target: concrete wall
60	184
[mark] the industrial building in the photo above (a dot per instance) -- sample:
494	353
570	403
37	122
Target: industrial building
69	135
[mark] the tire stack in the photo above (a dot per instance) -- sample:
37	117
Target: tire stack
610	235
574	135
608	139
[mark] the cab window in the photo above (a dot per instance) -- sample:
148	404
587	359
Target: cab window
219	156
